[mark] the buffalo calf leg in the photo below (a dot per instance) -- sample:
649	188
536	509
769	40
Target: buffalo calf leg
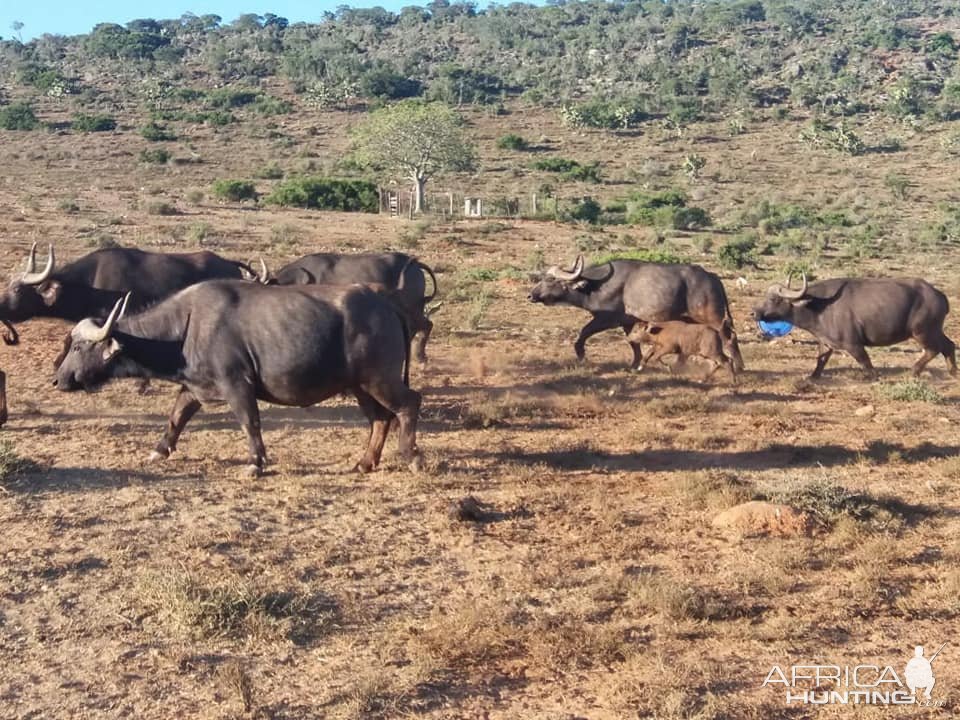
637	348
244	406
3	397
184	408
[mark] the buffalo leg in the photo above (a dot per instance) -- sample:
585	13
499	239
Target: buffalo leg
3	397
949	351
637	348
822	357
598	324
859	353
184	408
380	420
730	343
928	355
420	338
404	403
244	406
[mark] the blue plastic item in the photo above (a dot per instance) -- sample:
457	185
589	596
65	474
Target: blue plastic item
774	328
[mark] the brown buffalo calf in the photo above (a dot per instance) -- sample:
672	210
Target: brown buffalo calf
684	340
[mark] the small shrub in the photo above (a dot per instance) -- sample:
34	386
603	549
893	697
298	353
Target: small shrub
555	164
913	390
270	171
18	116
157	156
160	207
604	114
93	123
738	253
897	184
642	208
513	142
155	132
11	463
199	232
327	194
234	190
585	210
269	105
225	98
195	197
583	173
68	206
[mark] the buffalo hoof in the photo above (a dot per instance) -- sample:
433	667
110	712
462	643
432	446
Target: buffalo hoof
364	466
157	456
251	471
416	464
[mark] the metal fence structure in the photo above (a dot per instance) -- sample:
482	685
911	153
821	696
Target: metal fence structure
398	202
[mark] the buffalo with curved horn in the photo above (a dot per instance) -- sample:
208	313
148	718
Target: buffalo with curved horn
851	314
621	293
91	285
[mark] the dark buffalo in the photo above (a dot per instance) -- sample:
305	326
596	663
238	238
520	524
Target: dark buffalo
91	285
10	337
620	293
388	270
851	314
235	342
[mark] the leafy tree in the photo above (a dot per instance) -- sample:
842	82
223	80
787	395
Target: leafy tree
416	140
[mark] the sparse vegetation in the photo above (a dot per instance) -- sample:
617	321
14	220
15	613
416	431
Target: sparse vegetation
93	123
156	156
234	190
914	390
18	116
513	142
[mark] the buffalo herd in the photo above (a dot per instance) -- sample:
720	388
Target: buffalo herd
349	323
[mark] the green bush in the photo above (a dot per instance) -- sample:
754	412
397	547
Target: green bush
667	208
93	123
327	194
155	132
583	173
604	114
158	156
235	190
226	98
585	210
513	142
913	390
653	256
555	164
738	253
18	116
269	105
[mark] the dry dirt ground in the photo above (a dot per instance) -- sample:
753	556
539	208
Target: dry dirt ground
595	586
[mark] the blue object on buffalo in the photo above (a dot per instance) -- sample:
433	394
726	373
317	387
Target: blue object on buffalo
774	328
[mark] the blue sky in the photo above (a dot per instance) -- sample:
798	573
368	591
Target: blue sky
72	18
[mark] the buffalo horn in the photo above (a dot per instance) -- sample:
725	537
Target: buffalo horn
787	294
264	272
34	278
568	275
91	332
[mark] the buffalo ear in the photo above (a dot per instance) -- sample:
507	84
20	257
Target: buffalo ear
50	291
581	285
111	349
802	302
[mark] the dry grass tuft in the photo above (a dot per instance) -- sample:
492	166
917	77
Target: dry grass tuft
236	681
233	606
